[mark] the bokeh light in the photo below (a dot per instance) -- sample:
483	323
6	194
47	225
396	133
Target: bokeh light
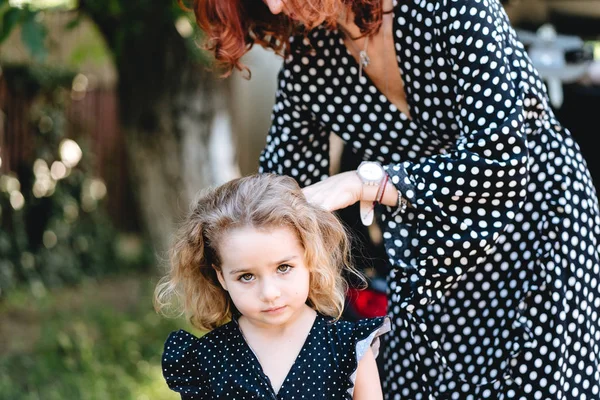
97	189
88	203
184	27
17	201
50	239
79	87
40	168
9	183
71	211
93	190
70	153
58	170
27	260
80	83
44	184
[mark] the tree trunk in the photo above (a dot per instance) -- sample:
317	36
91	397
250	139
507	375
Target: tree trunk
167	133
167	103
251	105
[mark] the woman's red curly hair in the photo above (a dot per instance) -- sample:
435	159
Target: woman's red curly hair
232	27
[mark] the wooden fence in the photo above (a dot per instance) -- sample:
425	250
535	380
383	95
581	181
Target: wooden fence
92	117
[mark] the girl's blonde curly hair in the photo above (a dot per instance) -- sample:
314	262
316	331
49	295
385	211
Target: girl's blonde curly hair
260	201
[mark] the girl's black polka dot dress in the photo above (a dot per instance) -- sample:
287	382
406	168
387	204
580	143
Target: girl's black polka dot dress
221	366
494	284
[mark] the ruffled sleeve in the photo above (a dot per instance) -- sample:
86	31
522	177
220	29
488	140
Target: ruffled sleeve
181	367
464	198
365	335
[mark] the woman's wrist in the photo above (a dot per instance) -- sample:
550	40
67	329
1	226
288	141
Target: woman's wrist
390	195
368	192
373	192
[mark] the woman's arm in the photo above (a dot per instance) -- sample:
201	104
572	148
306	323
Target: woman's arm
297	144
344	189
463	198
466	197
367	385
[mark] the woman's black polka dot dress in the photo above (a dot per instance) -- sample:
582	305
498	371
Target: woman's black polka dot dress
221	366
494	285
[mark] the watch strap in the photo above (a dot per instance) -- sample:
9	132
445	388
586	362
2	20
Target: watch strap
367	207
373	187
367	212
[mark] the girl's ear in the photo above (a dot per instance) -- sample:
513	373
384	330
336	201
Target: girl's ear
220	277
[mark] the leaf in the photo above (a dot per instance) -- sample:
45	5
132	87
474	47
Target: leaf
9	21
74	23
33	34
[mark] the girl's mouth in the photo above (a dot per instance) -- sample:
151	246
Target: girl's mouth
274	309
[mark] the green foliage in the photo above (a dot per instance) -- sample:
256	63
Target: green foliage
10	18
119	20
89	48
29	80
33	32
53	228
91	348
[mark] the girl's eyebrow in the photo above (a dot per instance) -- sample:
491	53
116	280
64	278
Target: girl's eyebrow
249	269
237	271
285	259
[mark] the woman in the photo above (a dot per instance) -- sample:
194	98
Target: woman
488	211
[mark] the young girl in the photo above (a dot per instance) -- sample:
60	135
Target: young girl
262	270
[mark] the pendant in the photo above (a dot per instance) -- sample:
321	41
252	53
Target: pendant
364	62
364	59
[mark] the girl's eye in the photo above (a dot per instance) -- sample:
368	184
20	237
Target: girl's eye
246	277
284	268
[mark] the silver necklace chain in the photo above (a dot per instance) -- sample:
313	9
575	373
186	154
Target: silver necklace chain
363	56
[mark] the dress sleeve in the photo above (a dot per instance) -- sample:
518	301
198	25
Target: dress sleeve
365	335
466	197
181	368
297	143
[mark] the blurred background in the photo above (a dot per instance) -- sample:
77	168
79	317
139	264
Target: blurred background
111	120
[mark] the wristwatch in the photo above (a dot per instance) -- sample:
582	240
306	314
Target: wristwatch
372	174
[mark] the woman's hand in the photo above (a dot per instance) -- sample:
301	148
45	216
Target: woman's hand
336	192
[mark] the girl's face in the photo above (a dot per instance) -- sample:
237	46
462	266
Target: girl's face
265	273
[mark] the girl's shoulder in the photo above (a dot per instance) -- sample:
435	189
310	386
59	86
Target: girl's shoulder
189	361
347	342
357	328
180	342
356	336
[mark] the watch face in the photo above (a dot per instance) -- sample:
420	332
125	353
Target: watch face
371	171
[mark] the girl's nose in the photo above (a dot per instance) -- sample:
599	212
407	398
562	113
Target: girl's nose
269	291
275	6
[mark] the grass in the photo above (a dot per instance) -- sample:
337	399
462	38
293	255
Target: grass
100	340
